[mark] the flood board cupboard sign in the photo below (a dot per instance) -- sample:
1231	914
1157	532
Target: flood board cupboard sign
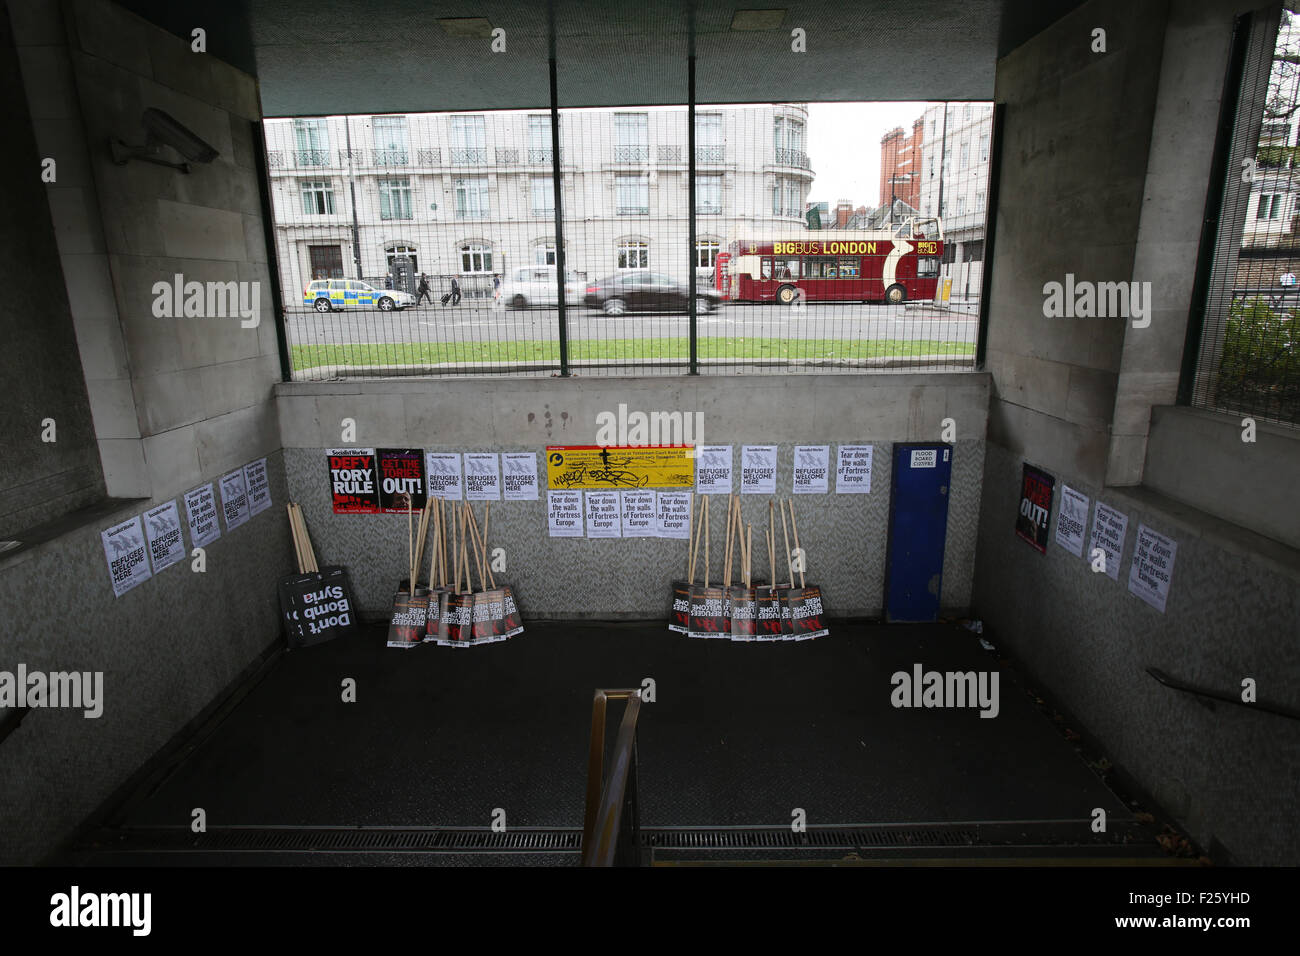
918	530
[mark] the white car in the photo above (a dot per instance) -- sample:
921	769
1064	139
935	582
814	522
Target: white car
326	295
530	286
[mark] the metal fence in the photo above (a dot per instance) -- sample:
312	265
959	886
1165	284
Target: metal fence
671	241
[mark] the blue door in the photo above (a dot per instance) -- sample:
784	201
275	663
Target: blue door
918	528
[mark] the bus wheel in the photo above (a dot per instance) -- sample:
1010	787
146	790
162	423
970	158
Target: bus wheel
895	294
785	295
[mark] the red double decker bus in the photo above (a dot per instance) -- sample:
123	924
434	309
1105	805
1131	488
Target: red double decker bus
887	265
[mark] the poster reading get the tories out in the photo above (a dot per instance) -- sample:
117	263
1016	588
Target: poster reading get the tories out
1035	507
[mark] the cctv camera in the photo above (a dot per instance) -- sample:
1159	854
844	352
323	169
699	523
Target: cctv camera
162	129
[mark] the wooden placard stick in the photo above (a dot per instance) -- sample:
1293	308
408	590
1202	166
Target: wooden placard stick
749	555
487	519
293	533
690	532
480	549
785	533
726	551
794	525
706	541
698	525
464	548
771	543
410	544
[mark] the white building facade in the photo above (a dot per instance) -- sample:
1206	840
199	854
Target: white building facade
470	195
955	155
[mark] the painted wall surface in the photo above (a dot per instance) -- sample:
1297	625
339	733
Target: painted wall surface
177	402
1233	612
844	535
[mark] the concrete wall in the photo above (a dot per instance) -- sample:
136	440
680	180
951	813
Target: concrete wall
1105	163
844	535
177	402
40	480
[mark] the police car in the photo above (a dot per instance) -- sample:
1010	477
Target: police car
327	295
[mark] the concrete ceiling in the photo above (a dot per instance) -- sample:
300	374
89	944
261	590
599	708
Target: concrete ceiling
316	57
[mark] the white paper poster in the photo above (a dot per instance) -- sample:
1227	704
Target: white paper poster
639	513
1072	520
234	499
128	559
853	472
482	476
604	515
162	526
674	518
812	469
259	489
201	511
1153	567
520	478
442	475
758	469
1108	530
564	513
713	470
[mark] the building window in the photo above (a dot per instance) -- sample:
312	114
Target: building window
395	199
633	255
787	139
787	197
965	156
544	254
390	140
979	202
708	195
631	137
539	139
318	198
632	195
709	147
543	196
472	198
468	141
1270	206
395	252
984	147
961	205
706	253
475	258
313	142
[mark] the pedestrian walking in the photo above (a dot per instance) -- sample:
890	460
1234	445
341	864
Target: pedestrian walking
455	291
423	290
496	289
388	281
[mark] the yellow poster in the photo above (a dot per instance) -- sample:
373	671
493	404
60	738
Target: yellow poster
591	466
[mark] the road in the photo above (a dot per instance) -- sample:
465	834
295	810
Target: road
466	323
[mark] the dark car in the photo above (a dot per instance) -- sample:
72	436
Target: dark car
639	290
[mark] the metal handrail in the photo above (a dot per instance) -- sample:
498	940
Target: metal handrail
610	825
1279	709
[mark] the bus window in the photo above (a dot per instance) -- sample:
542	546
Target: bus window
787	269
820	268
766	269
849	268
927	267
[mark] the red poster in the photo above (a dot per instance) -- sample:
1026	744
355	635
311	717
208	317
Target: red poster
354	481
401	473
1035	507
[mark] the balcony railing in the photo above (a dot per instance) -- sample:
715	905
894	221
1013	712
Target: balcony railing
275	159
537	157
710	154
792	157
632	210
351	156
473	214
428	157
507	157
469	157
708	209
390	157
631	154
543	212
312	157
670	154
